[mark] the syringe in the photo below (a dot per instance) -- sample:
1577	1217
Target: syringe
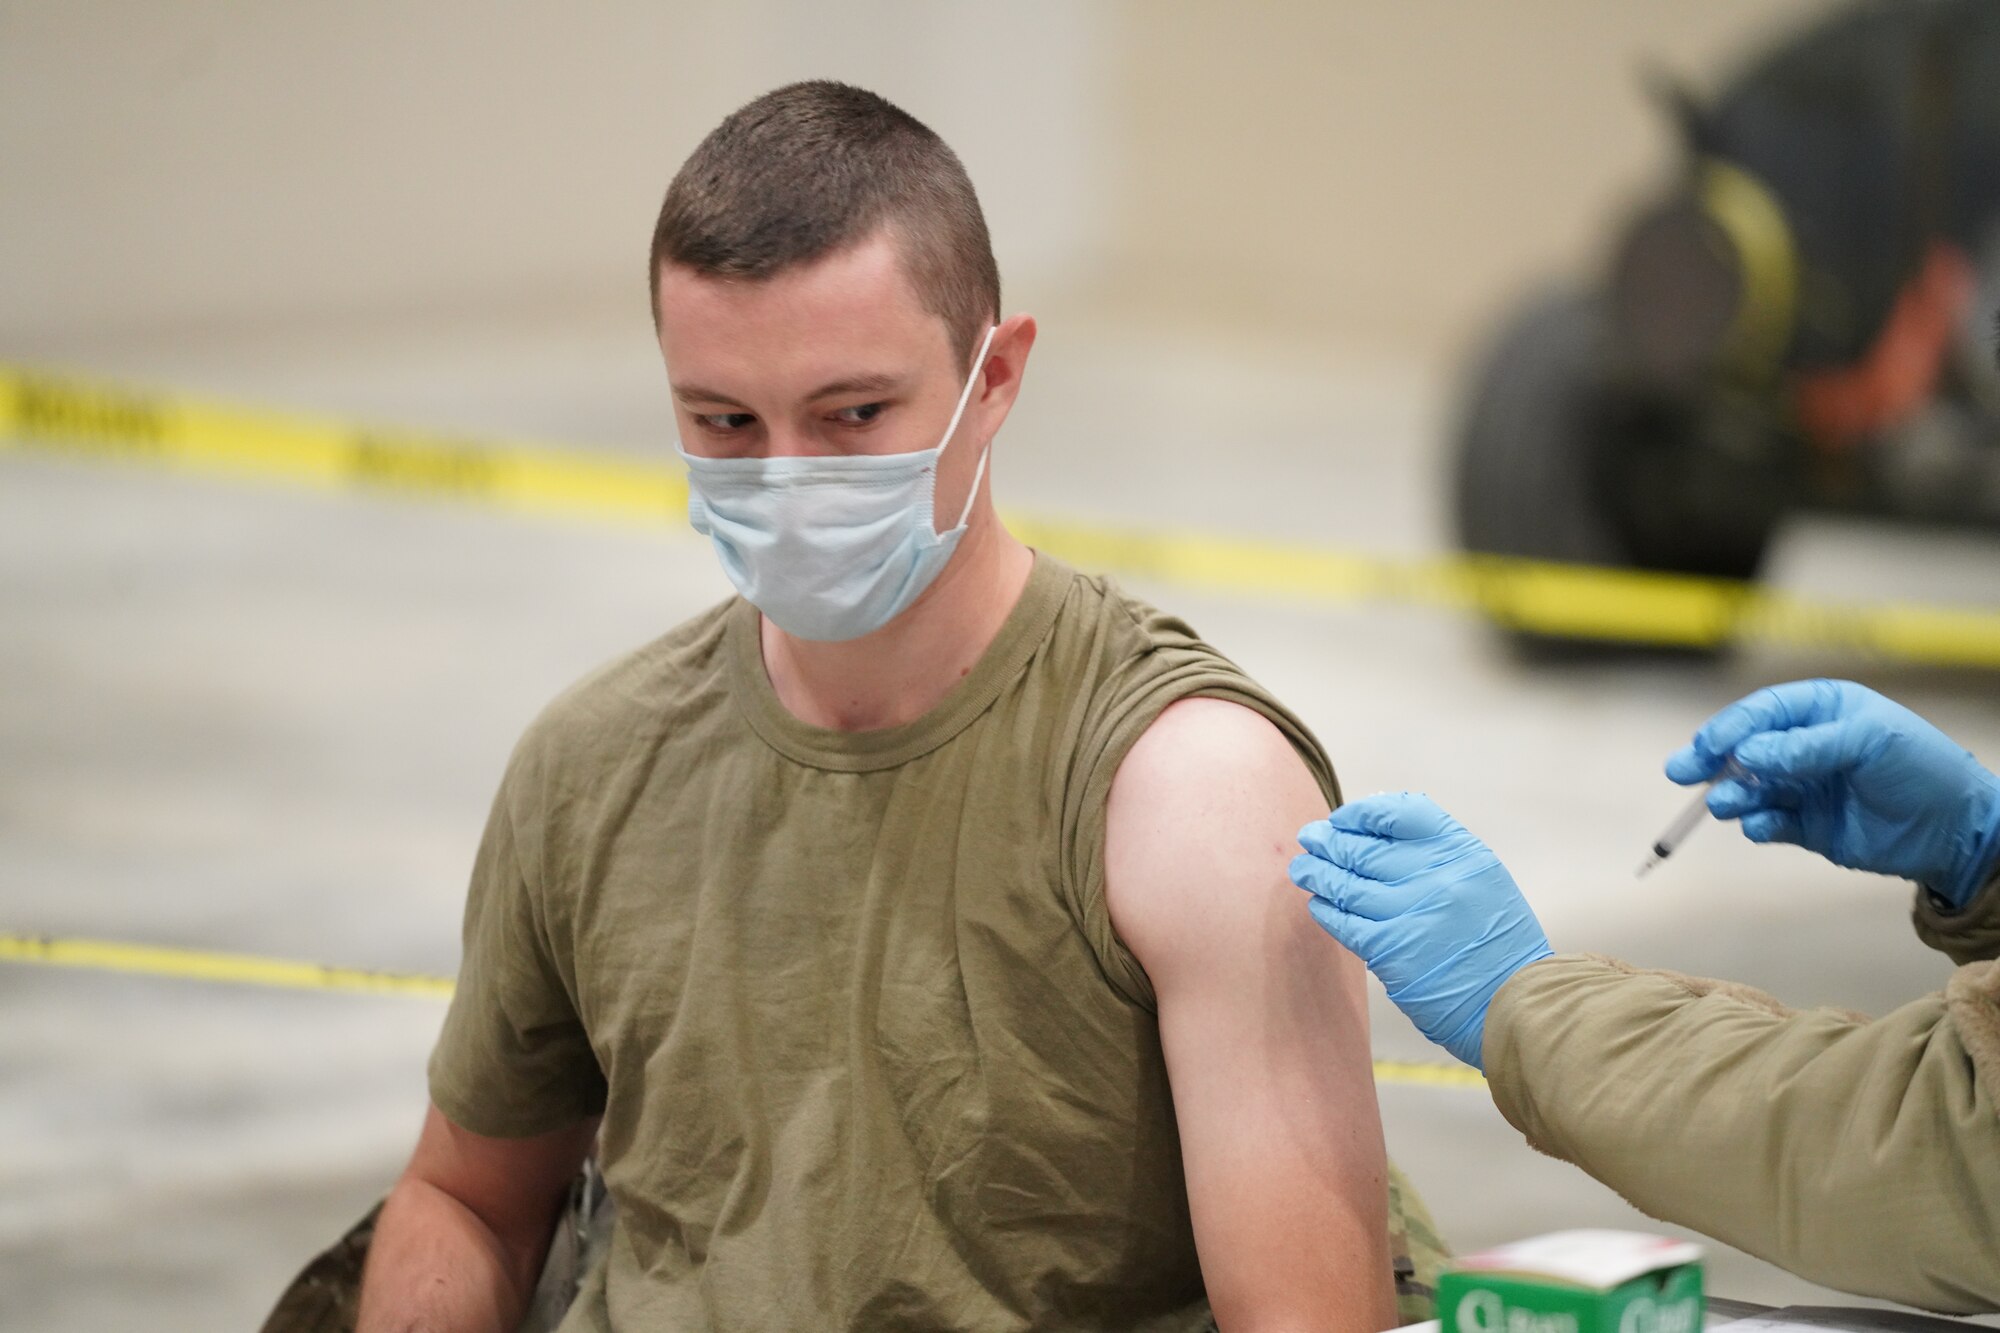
1687	820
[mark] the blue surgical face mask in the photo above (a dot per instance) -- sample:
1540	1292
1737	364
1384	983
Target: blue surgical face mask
830	548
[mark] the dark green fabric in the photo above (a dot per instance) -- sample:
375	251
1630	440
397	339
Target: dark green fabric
868	1052
326	1295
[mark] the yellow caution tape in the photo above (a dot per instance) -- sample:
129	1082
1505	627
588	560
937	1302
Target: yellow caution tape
232	968
64	415
67	415
1414	1074
238	969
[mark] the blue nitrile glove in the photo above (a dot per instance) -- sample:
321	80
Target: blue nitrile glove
1426	905
1858	778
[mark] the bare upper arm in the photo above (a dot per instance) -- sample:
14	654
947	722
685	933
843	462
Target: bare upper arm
513	1186
1263	1019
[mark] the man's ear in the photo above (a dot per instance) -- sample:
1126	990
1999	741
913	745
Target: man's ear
1006	361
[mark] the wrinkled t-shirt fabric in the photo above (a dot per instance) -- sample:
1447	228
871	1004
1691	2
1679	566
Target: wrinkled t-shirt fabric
867	1050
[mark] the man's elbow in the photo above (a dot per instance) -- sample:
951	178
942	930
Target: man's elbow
1330	1314
439	1259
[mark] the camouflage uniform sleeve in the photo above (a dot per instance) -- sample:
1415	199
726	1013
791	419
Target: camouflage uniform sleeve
1416	1251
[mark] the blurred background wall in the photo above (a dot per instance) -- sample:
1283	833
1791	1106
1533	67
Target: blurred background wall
1352	173
1385	174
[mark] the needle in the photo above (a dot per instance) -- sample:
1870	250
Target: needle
1677	832
1688	819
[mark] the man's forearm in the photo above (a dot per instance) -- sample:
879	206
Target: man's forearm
435	1267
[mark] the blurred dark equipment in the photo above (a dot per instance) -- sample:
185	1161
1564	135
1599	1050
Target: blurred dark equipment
1804	320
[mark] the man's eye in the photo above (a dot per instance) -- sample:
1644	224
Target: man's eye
859	416
722	423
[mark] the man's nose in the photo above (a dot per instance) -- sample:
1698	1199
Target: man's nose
770	442
792	442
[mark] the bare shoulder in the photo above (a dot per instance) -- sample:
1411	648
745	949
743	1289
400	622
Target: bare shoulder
1191	735
1201	823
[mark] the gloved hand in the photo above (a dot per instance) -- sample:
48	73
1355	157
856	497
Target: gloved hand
1858	778
1426	905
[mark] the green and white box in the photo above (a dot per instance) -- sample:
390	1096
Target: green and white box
1575	1282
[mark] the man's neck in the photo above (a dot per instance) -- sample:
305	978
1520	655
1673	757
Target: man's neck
903	670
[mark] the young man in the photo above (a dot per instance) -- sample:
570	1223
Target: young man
916	925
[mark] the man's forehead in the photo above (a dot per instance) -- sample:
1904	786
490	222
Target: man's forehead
862	285
846	320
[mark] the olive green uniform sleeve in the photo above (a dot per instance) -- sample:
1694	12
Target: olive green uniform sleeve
513	1059
1861	1154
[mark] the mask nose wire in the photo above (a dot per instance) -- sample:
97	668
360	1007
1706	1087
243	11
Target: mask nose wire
964	397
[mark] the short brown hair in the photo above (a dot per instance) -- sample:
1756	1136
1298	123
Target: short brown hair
811	167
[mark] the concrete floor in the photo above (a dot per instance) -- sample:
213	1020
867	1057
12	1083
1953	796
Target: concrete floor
257	719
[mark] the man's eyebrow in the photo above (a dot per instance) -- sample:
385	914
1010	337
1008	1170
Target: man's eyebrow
872	383
694	393
876	383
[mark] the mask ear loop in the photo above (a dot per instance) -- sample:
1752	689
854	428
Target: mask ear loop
965	397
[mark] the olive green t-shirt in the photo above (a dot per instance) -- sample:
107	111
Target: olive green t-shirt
868	1052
